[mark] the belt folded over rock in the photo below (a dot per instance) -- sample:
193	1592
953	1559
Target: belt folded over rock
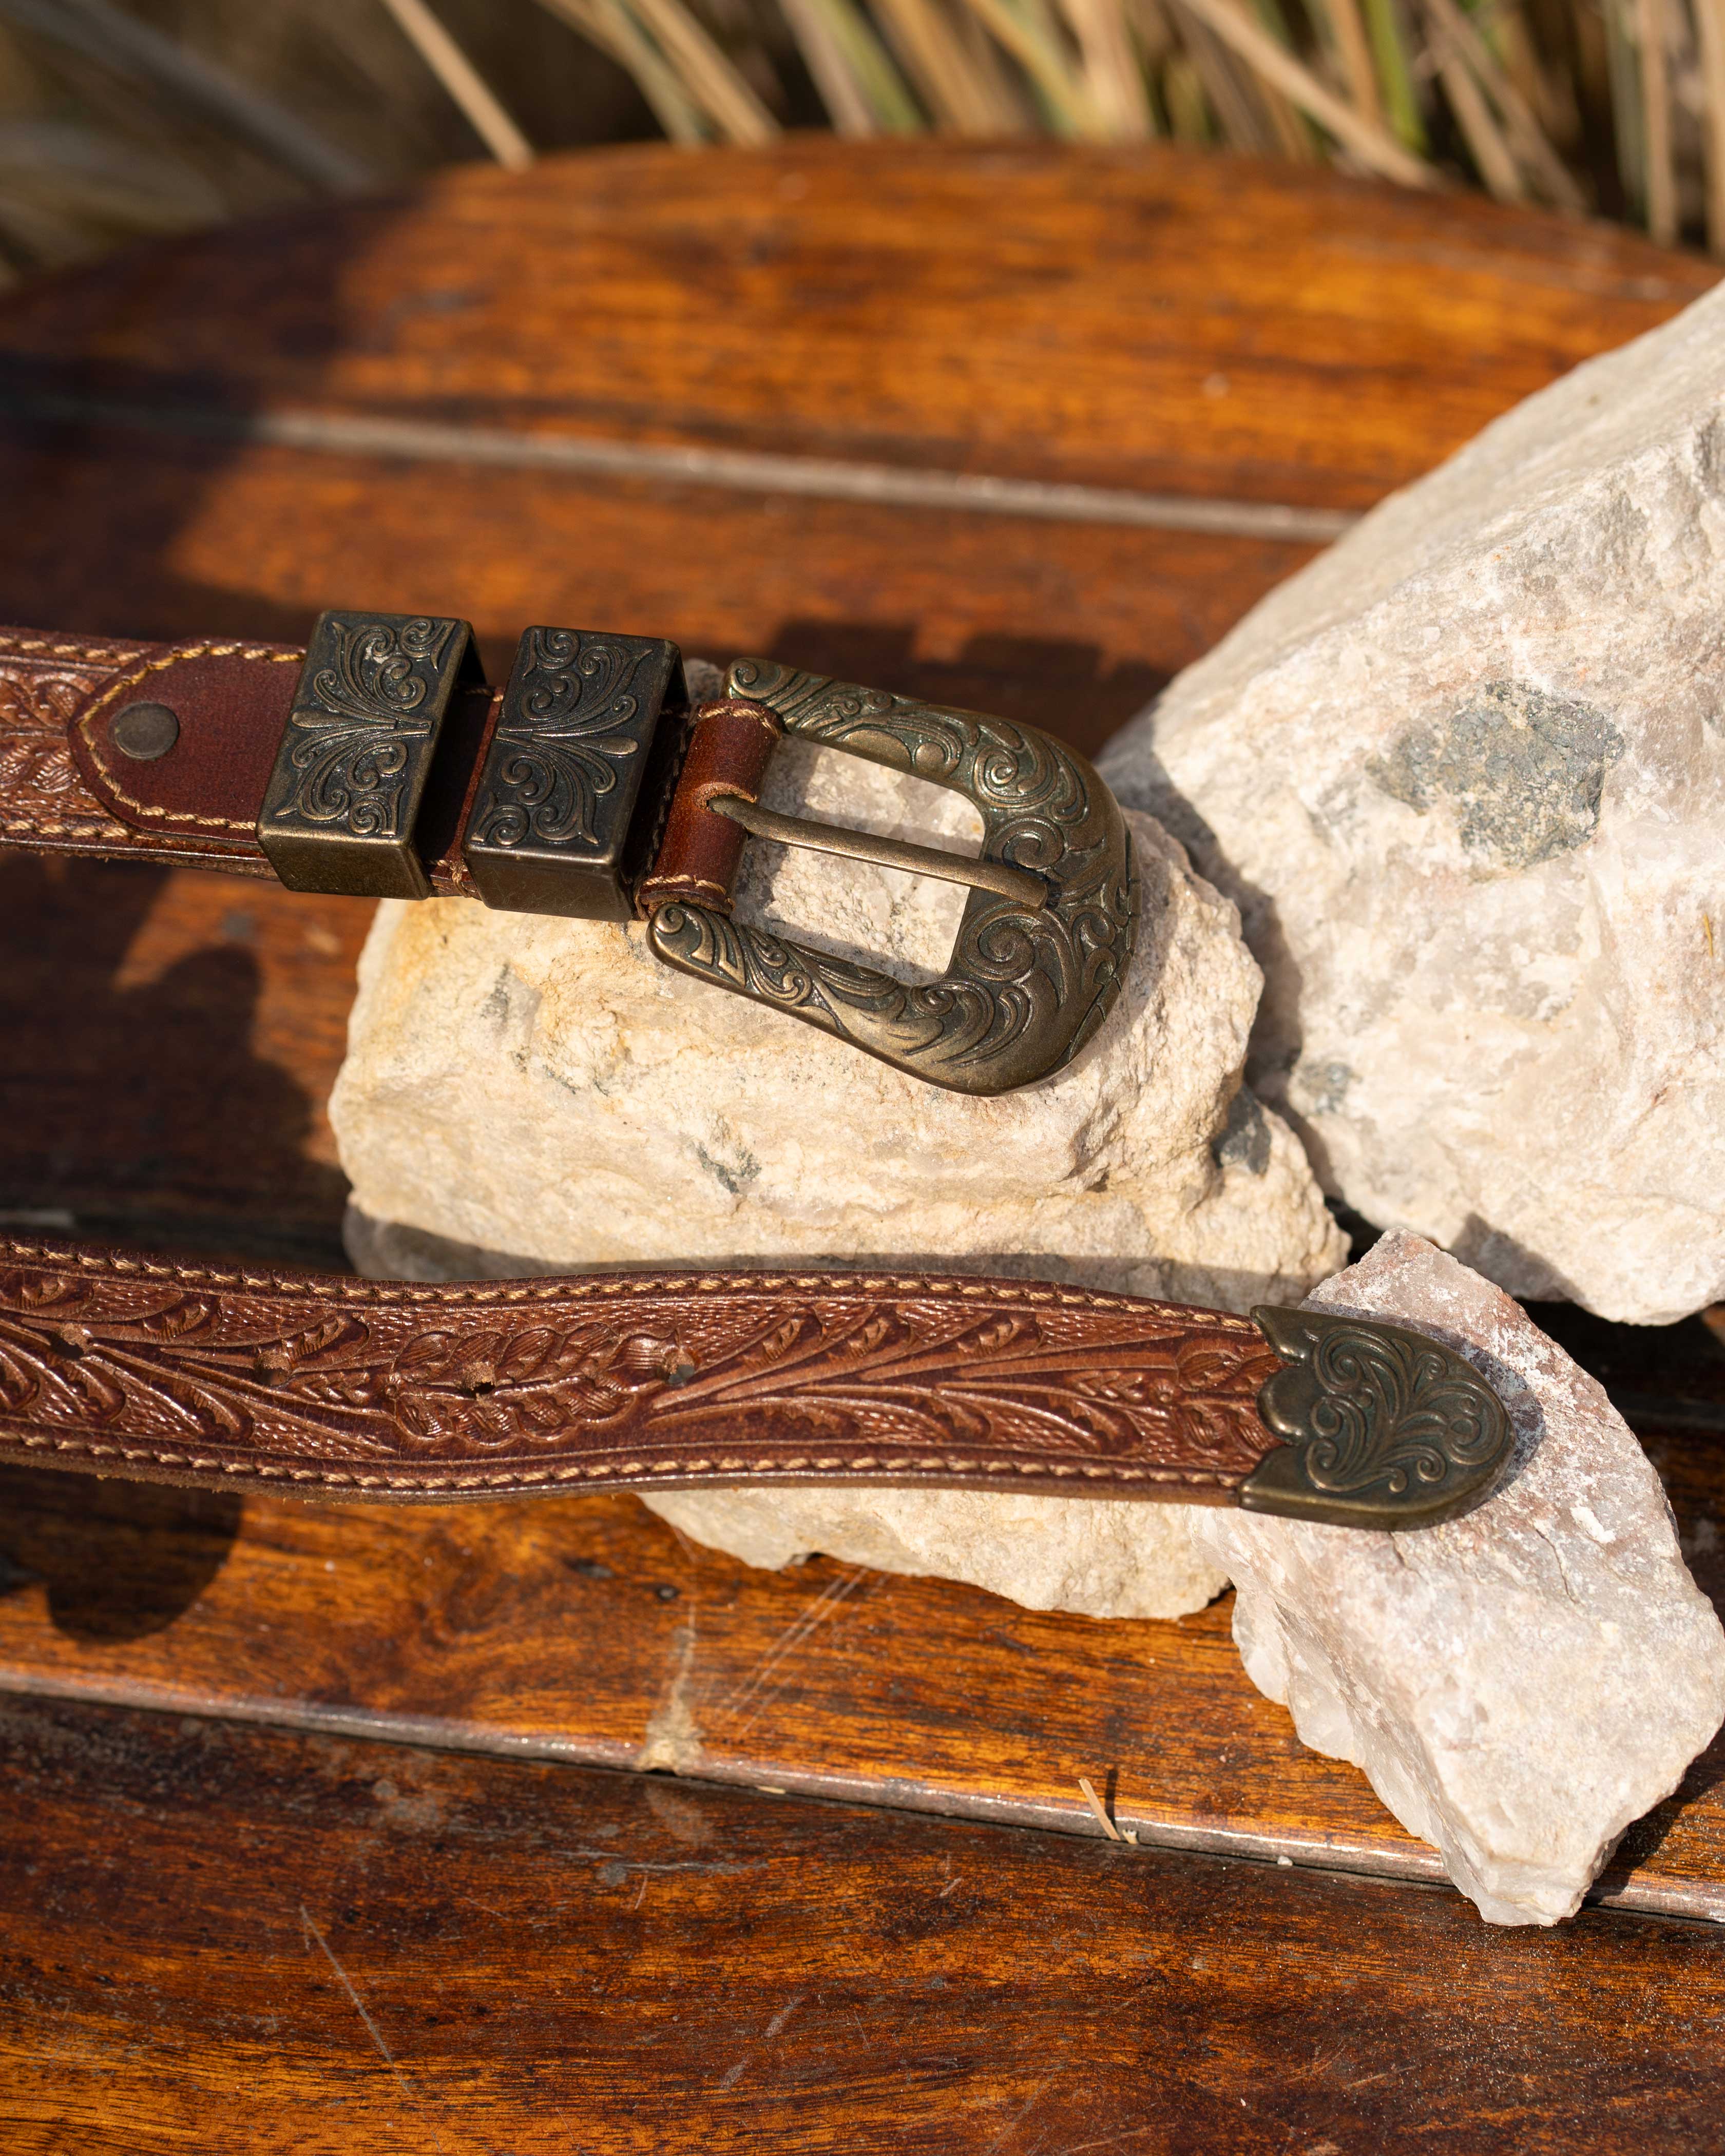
379	763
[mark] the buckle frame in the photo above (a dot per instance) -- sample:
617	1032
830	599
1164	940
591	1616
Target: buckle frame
1041	955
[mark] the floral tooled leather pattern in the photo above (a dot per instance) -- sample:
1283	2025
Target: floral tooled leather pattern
141	1366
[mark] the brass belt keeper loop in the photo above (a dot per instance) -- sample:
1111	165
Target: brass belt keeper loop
729	750
344	797
584	750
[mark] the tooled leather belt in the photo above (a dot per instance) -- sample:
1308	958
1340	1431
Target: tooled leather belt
379	763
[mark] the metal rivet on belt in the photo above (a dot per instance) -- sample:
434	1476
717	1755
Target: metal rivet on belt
145	732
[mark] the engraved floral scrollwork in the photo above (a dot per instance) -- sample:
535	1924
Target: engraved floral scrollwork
41	699
896	1376
374	676
493	1388
427	1392
38	776
1009	771
57	1366
363	709
1028	985
564	739
1382	1425
951	1019
33	766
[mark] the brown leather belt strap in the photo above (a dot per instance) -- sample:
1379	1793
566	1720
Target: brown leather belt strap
315	1385
82	771
58	696
137	1366
587	787
165	751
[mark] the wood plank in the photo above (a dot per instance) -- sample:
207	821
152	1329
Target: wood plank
1145	320
584	1630
1073	626
1145	317
1134	319
167	1042
367	1948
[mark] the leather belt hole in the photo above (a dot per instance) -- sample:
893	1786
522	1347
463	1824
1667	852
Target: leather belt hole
144	731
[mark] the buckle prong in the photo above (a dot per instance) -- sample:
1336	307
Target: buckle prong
1018	885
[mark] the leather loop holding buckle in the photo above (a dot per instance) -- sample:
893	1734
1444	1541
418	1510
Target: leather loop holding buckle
1046	935
730	746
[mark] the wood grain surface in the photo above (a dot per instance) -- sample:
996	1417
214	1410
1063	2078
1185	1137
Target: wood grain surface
585	1630
345	1969
224	1935
1022	309
1203	327
167	1042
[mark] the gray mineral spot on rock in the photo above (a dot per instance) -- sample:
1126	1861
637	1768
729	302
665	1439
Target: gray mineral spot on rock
732	1177
1523	770
1322	1088
1246	1135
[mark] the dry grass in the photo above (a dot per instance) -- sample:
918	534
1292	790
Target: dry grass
125	117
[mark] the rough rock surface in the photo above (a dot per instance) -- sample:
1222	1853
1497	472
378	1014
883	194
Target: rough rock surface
1086	1554
1465	776
1518	1684
546	1095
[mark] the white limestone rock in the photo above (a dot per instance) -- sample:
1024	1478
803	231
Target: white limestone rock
1517	1685
1089	1555
547	1095
1465	776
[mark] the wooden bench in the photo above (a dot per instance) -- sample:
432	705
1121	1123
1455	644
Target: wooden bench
540	1828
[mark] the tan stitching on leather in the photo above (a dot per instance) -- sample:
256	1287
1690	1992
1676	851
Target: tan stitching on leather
599	1471
179	655
95	655
626	1286
30	828
664	891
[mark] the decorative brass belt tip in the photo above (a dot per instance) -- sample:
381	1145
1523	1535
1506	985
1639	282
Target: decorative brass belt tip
1381	1427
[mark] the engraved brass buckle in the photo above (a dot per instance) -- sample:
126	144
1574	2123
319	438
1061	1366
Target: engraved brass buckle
567	810
1046	934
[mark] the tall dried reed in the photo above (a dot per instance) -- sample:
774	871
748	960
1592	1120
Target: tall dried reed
122	117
